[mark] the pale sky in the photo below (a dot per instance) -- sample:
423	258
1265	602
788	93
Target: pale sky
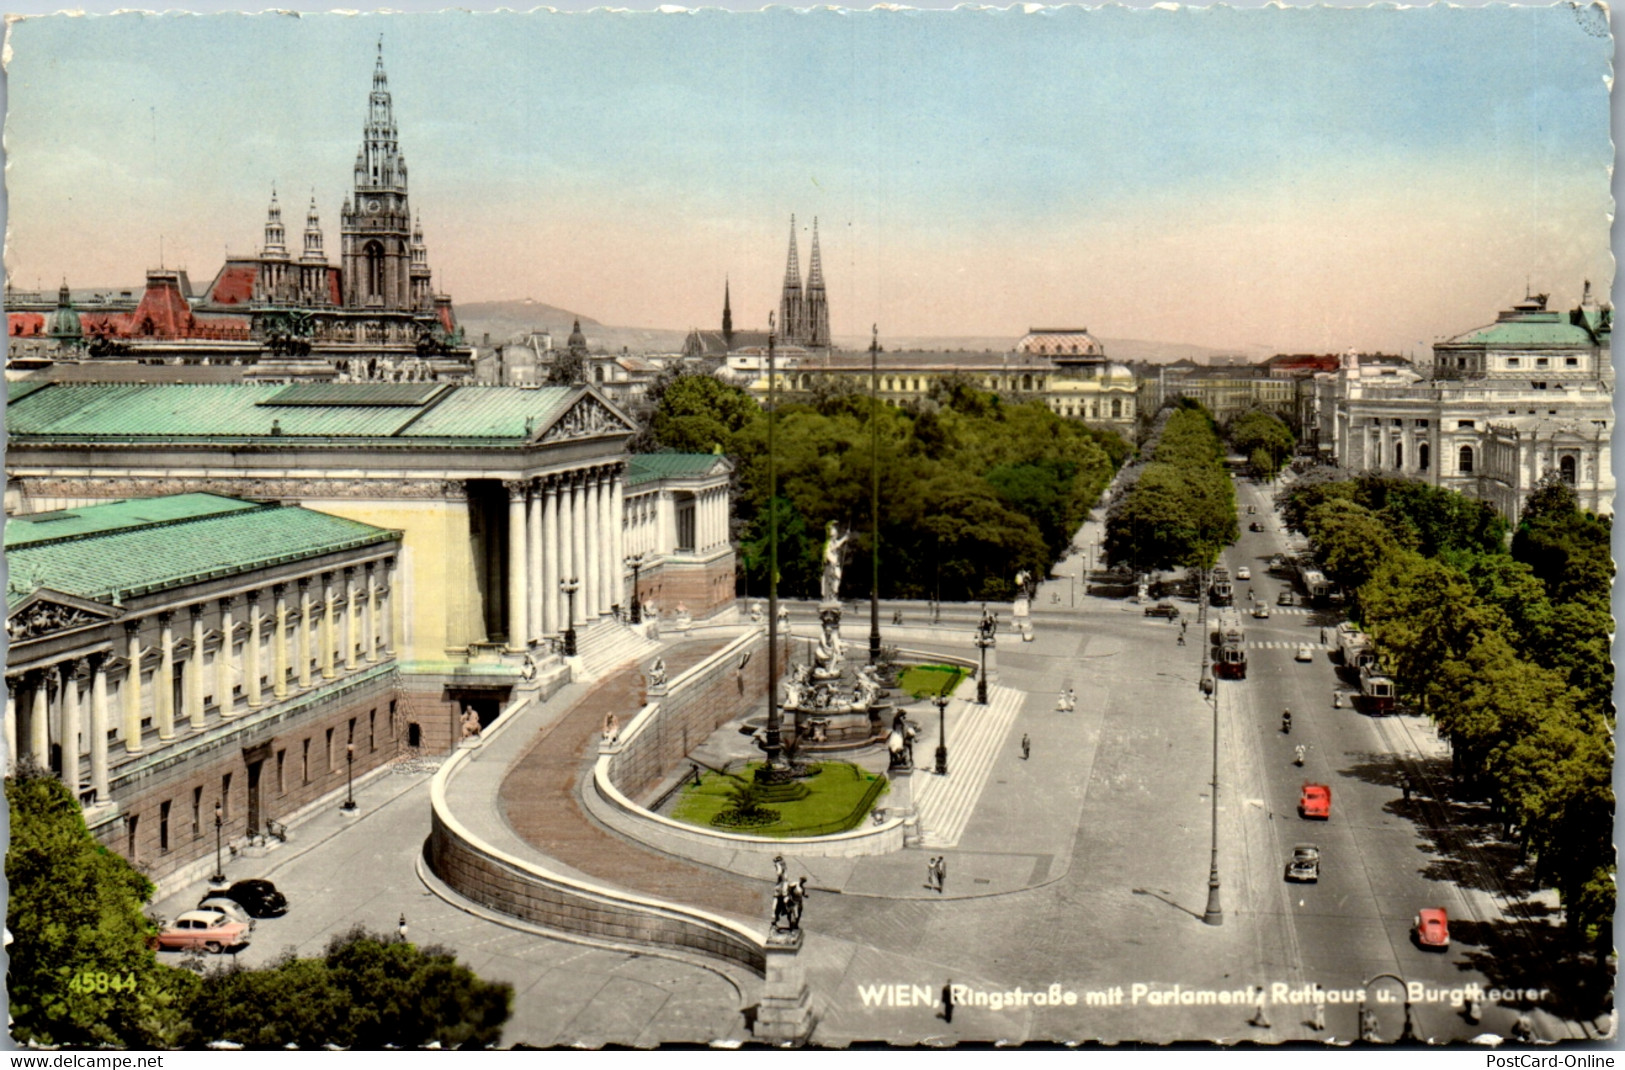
1307	179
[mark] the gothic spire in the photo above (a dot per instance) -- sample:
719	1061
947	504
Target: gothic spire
792	313
378	166
815	311
815	271
275	239
727	316
792	267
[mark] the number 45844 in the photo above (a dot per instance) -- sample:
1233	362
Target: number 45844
99	982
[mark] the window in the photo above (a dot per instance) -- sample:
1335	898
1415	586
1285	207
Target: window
129	837
305	763
1117	408
225	796
391	718
163	821
1422	456
281	771
1399	422
372	730
1565	471
332	762
350	738
1465	462
197	812
414	735
1512	362
1538	386
1571	362
1399	455
1541	362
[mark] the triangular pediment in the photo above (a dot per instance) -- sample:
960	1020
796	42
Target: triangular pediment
46	611
590	416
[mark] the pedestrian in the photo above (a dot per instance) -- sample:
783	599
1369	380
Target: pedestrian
1323	637
897	616
401	928
948	1001
1181	639
1026	746
931	874
1405	785
695	770
942	872
1318	1022
1259	1018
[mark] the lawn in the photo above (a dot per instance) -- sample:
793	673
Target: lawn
924	680
838	798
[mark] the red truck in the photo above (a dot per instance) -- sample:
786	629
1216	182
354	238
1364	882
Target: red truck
1315	801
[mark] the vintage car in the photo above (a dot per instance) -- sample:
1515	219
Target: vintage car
1261	610
1304	865
1255	526
1432	929
1244	573
258	898
1285	598
1305	653
1315	801
210	930
1163	609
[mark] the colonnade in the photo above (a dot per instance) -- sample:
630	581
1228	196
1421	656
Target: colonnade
566	526
344	620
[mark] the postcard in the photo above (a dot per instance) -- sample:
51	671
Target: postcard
810	528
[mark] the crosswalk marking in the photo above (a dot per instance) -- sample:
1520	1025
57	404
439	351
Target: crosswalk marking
1284	644
945	803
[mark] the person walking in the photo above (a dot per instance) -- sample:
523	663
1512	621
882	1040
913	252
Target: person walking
1318	1021
1323	637
1405	785
948	1001
931	874
1026	746
1260	1018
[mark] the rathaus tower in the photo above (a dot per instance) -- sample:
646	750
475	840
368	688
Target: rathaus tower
383	266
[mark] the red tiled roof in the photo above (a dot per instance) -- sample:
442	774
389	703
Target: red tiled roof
24	323
235	283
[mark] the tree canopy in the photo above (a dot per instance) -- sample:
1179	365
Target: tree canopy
1264	440
1179	509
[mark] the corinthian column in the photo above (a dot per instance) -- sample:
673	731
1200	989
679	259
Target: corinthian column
535	592
593	539
324	636
39	721
371	623
192	691
301	646
550	557
225	662
130	692
351	618
98	725
70	725
617	538
163	681
578	542
517	546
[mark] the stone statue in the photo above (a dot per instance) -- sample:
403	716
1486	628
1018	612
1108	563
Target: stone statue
528	669
988	626
795	683
1023	578
830	651
657	675
471	723
866	691
900	744
788	898
612	728
834	543
756	611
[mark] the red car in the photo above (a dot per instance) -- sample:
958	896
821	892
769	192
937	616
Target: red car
210	930
1315	801
1433	929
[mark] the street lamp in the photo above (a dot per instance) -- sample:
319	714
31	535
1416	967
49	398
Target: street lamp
984	639
570	587
636	561
941	703
874	493
1214	914
219	876
349	779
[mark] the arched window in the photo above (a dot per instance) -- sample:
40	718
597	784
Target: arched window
1026	382
375	268
1117	408
1565	468
1465	463
1399	455
888	382
1422	456
598	374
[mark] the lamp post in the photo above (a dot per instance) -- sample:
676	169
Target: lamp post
219	876
874	493
636	561
1214	914
773	745
941	703
984	639
570	587
349	779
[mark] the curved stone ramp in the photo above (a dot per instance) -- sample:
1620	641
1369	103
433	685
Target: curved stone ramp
597	888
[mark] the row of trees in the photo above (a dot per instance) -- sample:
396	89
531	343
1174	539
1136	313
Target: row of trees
83	972
1507	650
972	489
1264	440
1178	510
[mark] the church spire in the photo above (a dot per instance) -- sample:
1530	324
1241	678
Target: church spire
275	239
313	234
727	316
379	166
816	309
791	311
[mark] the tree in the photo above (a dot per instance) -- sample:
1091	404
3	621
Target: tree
76	911
1264	440
701	414
367	991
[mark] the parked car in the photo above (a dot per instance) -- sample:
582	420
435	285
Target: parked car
1163	609
1315	801
1244	573
259	898
1285	598
210	930
1261	610
1251	509
1433	929
1255	526
1304	864
229	907
1305	653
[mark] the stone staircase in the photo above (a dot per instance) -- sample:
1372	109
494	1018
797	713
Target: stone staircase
609	644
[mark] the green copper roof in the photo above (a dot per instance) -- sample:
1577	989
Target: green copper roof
377	412
1539	329
116	516
15	391
647	467
111	554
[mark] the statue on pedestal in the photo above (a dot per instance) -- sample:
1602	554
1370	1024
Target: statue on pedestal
756	613
900	743
988	626
866	692
830	651
834	543
788	898
657	675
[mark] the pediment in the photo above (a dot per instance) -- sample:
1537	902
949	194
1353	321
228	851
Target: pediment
589	417
48	611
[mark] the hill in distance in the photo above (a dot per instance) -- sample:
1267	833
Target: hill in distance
507	321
